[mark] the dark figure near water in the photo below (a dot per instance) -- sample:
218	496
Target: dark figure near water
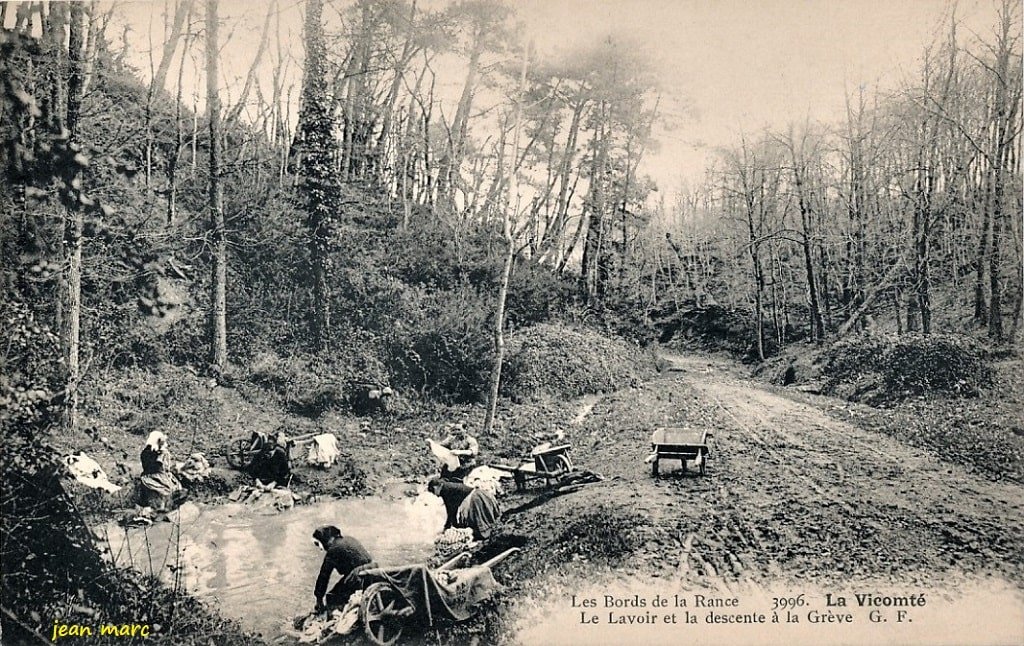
273	463
160	488
344	555
467	507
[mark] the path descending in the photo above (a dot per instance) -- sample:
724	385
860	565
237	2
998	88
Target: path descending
791	493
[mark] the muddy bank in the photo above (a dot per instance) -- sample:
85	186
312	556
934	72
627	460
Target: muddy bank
794	494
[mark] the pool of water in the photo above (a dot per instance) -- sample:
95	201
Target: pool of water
260	569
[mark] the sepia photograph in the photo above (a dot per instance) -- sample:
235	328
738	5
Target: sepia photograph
511	322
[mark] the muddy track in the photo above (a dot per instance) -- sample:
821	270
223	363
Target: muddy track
791	493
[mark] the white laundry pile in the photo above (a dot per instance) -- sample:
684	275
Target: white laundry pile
444	456
87	471
323	452
264	498
316	628
487	478
195	469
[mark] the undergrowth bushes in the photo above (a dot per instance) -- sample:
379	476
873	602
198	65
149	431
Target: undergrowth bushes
440	345
601	534
943	363
878	366
310	385
559	361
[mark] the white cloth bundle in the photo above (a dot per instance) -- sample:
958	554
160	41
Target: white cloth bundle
486	478
87	471
444	456
323	452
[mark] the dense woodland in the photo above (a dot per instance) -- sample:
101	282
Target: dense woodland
383	233
909	209
380	235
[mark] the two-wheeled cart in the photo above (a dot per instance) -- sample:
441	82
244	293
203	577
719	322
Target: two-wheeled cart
550	463
683	444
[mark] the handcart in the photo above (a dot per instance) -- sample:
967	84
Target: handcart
244	450
396	598
548	462
681	444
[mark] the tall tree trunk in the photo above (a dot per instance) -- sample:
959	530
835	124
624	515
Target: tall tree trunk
922	256
1007	102
817	326
218	281
995	312
755	260
181	9
594	264
981	262
179	140
511	204
380	147
320	190
74	219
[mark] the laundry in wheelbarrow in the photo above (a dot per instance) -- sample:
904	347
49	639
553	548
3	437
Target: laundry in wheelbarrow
316	628
450	542
445	594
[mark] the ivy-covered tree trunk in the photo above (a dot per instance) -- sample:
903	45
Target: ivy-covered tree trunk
319	189
218	287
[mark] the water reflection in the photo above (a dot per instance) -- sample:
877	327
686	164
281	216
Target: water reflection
260	569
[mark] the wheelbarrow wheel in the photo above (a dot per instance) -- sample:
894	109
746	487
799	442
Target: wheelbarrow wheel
239	456
384	611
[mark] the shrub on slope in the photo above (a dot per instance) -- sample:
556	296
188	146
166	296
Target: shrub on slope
558	361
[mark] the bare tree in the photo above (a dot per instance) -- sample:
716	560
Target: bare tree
218	239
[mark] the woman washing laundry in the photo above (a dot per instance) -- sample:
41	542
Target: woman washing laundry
464	448
160	488
467	507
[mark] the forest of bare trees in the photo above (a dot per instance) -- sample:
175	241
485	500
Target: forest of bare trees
908	210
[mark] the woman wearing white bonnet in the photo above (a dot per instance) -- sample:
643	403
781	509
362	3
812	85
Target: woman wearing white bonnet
159	486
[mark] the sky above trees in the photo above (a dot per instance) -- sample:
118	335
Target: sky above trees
727	67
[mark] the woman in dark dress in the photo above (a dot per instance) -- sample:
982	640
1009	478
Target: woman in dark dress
344	555
273	463
467	507
160	489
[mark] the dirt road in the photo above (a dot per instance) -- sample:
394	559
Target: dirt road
791	494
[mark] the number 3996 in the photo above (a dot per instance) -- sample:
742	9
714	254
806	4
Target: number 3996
784	603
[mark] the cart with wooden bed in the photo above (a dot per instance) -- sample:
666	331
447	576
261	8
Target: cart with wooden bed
677	443
397	598
550	463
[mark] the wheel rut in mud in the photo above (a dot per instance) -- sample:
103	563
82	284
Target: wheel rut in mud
790	493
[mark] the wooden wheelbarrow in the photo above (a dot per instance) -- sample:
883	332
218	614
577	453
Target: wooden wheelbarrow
683	444
548	462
